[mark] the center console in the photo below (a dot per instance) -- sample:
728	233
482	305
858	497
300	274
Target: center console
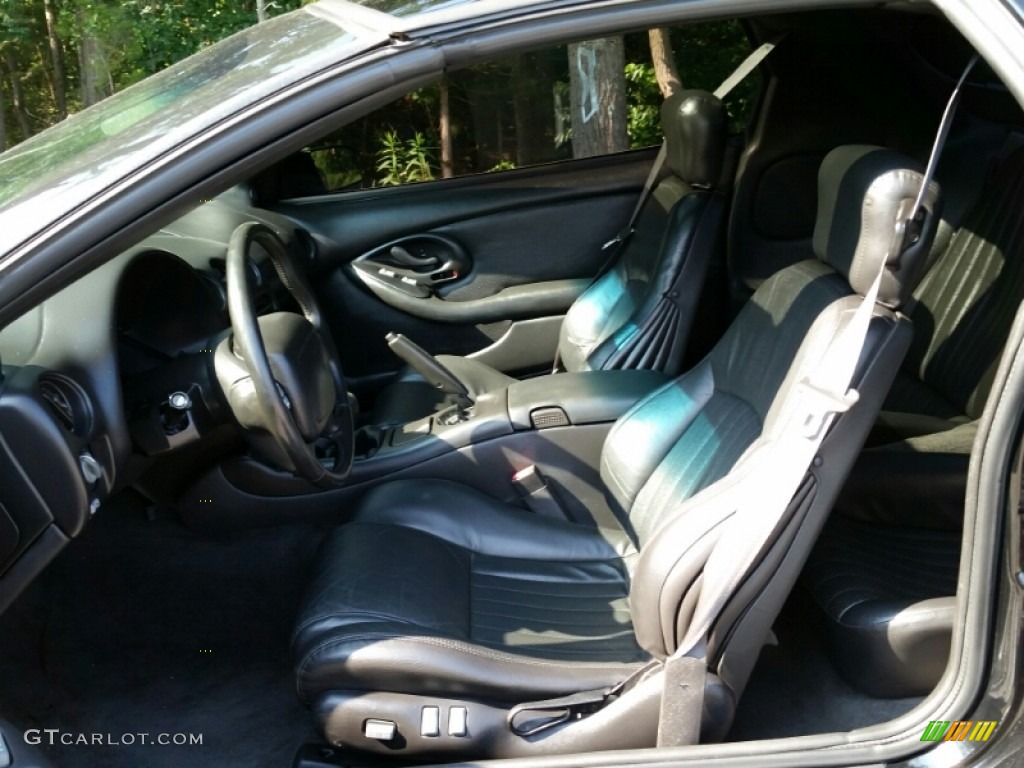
557	422
561	400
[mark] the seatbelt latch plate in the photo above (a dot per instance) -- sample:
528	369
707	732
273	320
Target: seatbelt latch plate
823	405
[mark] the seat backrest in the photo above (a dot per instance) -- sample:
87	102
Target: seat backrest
693	438
966	304
638	314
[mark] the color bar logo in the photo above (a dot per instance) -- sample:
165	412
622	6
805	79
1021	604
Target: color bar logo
959	730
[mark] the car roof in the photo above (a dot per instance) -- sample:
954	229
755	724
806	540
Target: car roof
406	17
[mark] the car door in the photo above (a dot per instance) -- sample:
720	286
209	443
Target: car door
484	266
470	214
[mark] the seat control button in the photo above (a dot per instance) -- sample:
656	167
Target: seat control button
430	721
457	721
381	730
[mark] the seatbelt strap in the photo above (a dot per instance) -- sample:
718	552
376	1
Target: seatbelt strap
943	133
614	246
763	497
682	700
746	66
740	74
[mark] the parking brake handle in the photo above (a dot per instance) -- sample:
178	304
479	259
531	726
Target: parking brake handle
426	365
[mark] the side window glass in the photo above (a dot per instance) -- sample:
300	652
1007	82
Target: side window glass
584	99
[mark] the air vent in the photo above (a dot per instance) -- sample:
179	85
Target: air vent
68	403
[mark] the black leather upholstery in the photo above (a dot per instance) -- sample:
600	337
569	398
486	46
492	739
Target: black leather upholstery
910	483
438	596
963	310
638	314
523	607
886	596
853	244
968	300
695	128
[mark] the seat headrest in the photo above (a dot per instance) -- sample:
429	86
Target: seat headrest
863	191
695	128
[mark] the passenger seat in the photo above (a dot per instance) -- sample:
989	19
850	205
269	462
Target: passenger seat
884	571
638	314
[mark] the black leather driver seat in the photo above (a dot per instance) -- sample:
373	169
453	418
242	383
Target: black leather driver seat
438	608
638	314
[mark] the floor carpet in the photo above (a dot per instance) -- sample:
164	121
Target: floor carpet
142	627
795	690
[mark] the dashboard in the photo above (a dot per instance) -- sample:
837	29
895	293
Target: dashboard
92	380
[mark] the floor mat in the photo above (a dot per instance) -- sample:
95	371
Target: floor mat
141	627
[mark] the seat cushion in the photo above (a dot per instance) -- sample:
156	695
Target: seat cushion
885	596
437	589
410	397
915	475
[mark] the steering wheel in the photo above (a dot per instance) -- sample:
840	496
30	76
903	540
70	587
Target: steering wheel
280	372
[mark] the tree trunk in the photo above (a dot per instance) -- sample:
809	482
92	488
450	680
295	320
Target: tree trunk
3	117
664	60
597	87
484	106
445	129
17	94
57	60
534	109
47	72
261	11
89	58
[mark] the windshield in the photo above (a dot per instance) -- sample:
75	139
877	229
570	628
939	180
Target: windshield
82	154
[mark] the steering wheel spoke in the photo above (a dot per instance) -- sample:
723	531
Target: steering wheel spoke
282	370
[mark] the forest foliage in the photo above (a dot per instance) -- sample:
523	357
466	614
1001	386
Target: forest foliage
60	56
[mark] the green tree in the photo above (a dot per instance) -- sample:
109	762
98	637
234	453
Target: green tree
58	56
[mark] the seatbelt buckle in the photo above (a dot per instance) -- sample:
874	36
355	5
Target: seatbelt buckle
533	488
822	405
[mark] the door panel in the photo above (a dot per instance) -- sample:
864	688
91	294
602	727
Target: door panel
480	260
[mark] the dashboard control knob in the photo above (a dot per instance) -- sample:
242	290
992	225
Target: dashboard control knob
92	470
179	401
175	412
